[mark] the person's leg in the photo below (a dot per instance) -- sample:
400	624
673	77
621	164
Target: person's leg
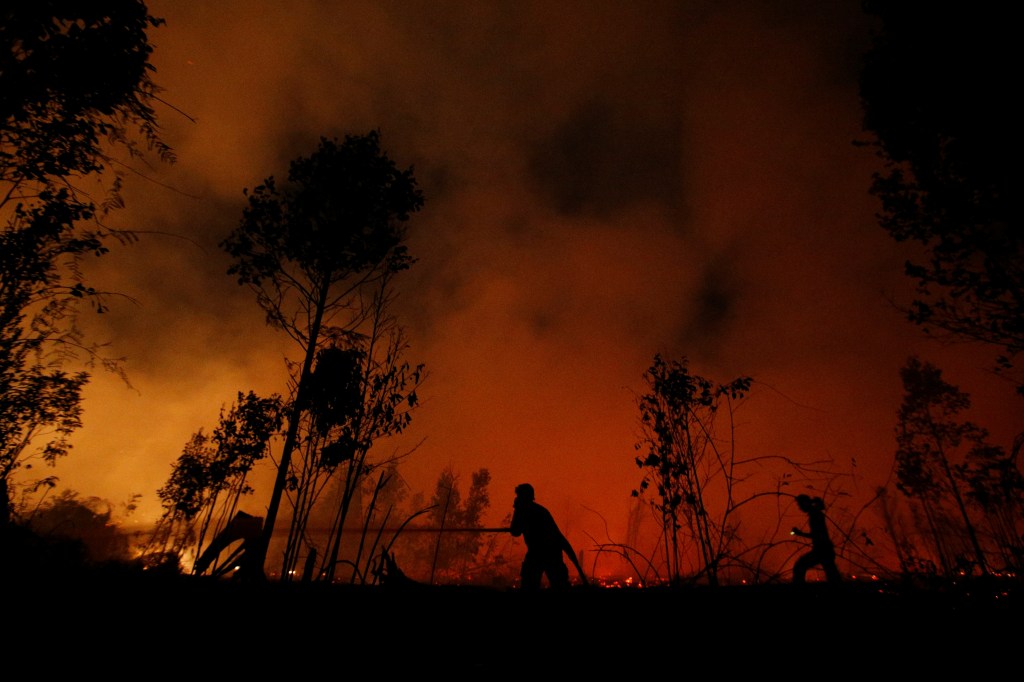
530	574
558	575
802	565
831	570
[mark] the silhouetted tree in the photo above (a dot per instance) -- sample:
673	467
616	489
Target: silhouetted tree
455	554
894	527
684	461
939	97
440	543
211	474
310	250
995	485
325	441
931	439
356	396
388	395
75	89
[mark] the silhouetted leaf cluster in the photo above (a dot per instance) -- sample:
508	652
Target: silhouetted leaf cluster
938	94
75	88
319	253
684	462
961	483
209	465
341	213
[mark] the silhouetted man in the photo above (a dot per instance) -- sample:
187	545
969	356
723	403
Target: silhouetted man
544	543
822	551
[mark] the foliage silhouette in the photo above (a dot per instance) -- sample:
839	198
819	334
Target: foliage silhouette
76	92
90	521
995	487
942	118
454	557
319	255
937	95
210	476
682	459
933	441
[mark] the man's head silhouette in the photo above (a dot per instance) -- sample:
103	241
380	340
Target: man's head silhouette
525	491
808	503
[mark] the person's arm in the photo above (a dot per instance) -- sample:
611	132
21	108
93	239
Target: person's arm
796	531
516	527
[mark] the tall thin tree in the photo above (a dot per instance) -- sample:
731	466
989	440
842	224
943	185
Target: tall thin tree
929	437
307	251
685	459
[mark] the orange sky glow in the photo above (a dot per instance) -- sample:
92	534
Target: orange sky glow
602	182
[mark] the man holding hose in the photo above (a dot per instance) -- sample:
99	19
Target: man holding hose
544	543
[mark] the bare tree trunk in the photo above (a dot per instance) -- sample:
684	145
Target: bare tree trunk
253	568
440	533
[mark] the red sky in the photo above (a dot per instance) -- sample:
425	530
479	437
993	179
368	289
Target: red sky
603	182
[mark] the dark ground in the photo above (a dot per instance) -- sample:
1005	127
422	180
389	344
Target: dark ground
130	625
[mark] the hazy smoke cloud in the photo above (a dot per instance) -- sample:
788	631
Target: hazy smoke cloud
603	182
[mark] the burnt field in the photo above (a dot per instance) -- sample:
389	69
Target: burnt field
202	627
